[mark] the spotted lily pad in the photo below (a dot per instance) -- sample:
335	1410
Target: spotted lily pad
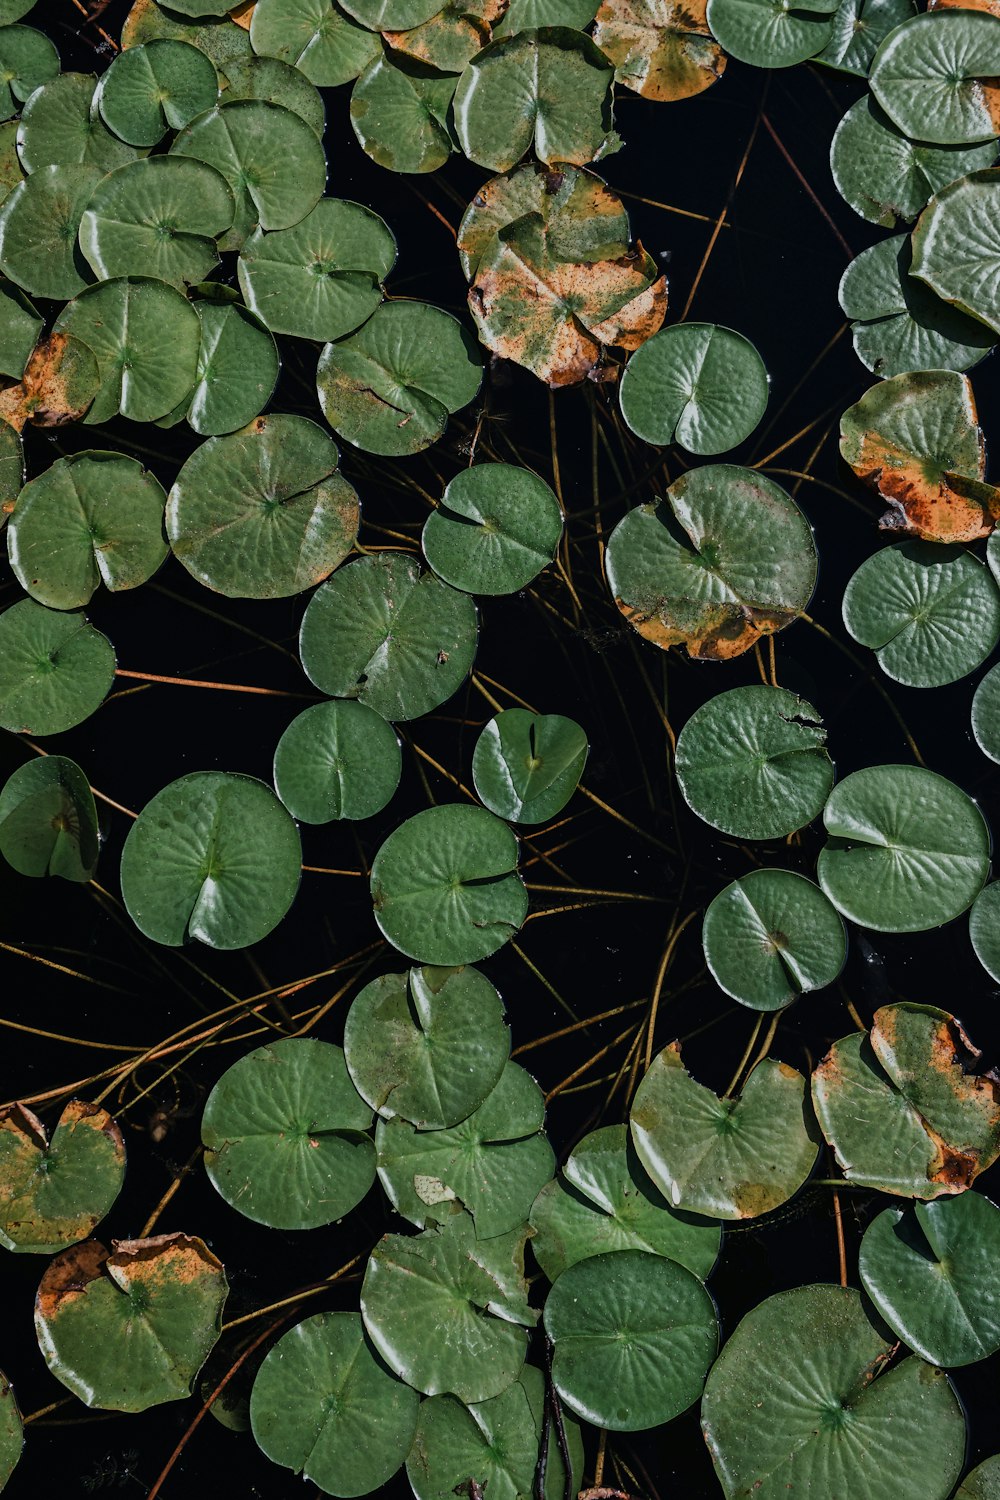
55	669
695	384
452	36
54	1192
495	530
315	36
772	936
48	820
526	766
59	127
156	87
661	49
770	33
956	245
39	222
400	112
59	384
337	760
935	77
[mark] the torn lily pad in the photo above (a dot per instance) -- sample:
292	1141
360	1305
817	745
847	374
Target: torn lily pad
48	820
54	1192
661	49
771	936
60	383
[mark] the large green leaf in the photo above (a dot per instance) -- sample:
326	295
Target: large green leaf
526	767
695	384
772	936
156	87
400	112
315	36
496	528
935	77
39	222
661	49
48	820
60	128
337	760
772	33
956	245
54	1192
55	669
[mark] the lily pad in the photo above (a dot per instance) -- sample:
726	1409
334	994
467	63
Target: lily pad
524	15
39	222
213	856
428	1047
131	1329
284	1135
161	216
337	760
54	1192
277	82
770	33
983	1483
55	669
27	60
59	128
237	371
633	1335
986	714
199	8
753	763
604	1201
929	1271
263	513
11	171
11	1426
217	36
325	1406
90	519
908	849
390	387
695	384
396	639
526	766
449	1312
48	820
772	936
495	530
20	325
725	1158
59	384
322	279
445	885
315	36
956	244
859	28
11	469
400	113
984	927
156	87
800	1393
453	35
724	560
935	77
661	49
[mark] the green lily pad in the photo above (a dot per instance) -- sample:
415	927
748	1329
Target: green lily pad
55	669
934	77
956	245
400	113
392	15
236	374
315	36
695	384
48	820
277	82
800	1398
753	763
724	1158
199	8
772	936
494	1442
428	1047
54	1192
263	513
131	1329
986	714
12	1428
284	1135
604	1201
886	177
859	28
27	60
769	33
325	1406
452	36
213	856
983	1483
984	928
217	36
322	279
90	519
14	10
449	1312
633	1335
390	387
493	1163
660	49
142	375
337	760
60	128
929	1271
445	885
156	87
901	326
550	88
396	639
525	15
495	530
908	850
526	767
11	171
39	222
725	559
20	325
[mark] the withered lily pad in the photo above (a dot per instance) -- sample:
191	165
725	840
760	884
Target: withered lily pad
452	36
60	382
217	36
661	49
54	1192
48	820
956	245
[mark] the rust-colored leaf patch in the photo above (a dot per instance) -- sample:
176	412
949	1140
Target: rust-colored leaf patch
660	49
242	14
451	37
58	385
53	1193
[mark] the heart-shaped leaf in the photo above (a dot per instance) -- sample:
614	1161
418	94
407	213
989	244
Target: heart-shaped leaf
53	1193
48	820
236	374
956	245
39	223
337	760
695	384
27	60
60	128
495	530
156	87
935	77
400	111
772	936
859	28
315	36
526	767
55	669
769	33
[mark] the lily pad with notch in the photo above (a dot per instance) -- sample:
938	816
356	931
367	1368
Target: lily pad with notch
315	36
39	223
771	936
20	325
497	527
337	760
60	128
55	669
401	113
661	49
55	1192
770	33
48	820
695	384
27	60
934	77
236	374
526	766
277	82
859	28
156	87
956	244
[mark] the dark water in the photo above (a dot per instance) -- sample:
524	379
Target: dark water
772	274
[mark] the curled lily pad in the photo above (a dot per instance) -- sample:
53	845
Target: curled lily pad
400	113
217	36
128	1330
213	856
55	669
54	1192
277	82
725	559
391	386
526	766
770	34
39	222
984	928
908	849
695	384
48	820
801	1392
60	128
323	278
859	27
550	88
956	245
236	373
263	513
633	1336
325	1406
660	49
495	530
929	1271
772	936
284	1135
20	325
89	519
161	216
396	639
986	714
445	885
916	439
156	87
931	613
753	762
604	1201
428	1047
935	77
449	1312
315	36
11	1431
337	760
724	1158
27	60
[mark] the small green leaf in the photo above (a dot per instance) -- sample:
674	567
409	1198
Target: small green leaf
55	669
39	223
526	767
27	60
695	384
48	820
314	36
156	87
495	530
772	936
770	34
956	245
400	113
59	127
859	27
337	760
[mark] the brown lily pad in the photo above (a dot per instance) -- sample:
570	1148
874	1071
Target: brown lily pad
660	49
452	37
58	385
